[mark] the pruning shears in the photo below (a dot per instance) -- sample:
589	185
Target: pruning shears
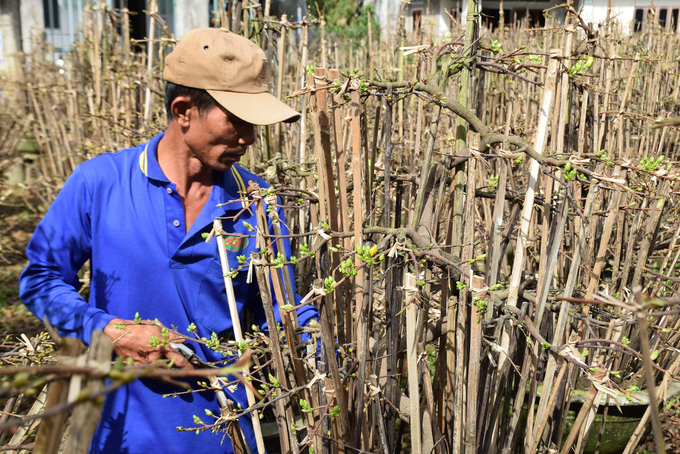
197	361
226	405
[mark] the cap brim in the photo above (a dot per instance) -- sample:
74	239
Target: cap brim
255	108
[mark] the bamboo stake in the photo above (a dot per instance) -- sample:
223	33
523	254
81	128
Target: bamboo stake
236	325
342	300
471	428
287	438
279	84
153	9
360	308
650	229
341	162
321	132
494	260
649	373
325	312
49	435
549	407
324	62
86	416
96	36
410	286
551	78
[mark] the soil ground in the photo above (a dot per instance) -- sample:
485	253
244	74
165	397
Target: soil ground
670	420
19	215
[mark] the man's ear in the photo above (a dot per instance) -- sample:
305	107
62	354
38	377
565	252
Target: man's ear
181	110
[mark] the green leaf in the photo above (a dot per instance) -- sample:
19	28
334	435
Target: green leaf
304	406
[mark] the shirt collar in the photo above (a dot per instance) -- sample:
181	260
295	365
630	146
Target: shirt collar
228	193
148	160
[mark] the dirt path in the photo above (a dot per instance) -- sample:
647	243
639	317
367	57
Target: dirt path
19	215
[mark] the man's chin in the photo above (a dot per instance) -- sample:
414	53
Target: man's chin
229	161
223	166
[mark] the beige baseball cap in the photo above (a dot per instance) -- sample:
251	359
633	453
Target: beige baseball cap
232	69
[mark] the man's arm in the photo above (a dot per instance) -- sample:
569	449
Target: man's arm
306	313
59	247
131	340
49	285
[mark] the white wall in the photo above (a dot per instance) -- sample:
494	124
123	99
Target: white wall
623	11
595	11
190	14
10	38
387	12
31	22
442	21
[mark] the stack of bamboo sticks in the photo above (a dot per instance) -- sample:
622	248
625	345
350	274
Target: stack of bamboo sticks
484	225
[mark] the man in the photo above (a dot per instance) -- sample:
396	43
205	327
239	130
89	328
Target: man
139	216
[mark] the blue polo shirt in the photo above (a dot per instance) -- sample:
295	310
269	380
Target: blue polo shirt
121	212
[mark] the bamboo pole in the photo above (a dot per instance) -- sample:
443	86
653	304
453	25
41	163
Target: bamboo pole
410	286
517	267
236	325
49	435
281	60
153	9
361	310
283	411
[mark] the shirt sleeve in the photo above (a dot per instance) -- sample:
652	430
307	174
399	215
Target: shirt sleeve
59	247
306	313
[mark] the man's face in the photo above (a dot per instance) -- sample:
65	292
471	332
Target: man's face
218	139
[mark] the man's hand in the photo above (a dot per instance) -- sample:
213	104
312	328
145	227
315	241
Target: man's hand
133	341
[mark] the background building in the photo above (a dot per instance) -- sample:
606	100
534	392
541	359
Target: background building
59	21
635	15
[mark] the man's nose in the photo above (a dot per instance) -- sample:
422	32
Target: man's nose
247	134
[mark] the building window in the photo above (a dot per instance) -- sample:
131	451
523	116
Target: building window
51	13
666	18
663	15
533	17
491	17
417	18
639	20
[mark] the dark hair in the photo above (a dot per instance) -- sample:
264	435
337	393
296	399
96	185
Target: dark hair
199	97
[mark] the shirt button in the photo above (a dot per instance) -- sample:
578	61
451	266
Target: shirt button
175	223
169	190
